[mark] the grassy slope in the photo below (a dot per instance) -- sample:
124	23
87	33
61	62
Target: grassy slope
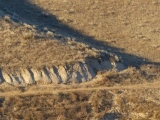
127	25
119	24
22	46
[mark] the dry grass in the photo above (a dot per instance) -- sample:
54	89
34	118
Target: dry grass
112	97
131	76
126	24
129	94
22	46
82	105
67	106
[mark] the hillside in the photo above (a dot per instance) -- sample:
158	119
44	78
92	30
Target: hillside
78	60
128	25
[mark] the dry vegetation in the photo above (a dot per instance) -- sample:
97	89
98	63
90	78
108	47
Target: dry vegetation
130	76
127	24
137	103
22	46
131	94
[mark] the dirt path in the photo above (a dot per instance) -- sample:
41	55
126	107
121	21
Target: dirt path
71	89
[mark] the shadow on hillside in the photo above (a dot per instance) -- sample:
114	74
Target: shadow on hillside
24	12
112	116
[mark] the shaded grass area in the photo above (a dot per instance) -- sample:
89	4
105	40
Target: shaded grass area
25	12
126	25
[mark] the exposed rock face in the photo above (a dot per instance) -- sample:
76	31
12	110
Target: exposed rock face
75	73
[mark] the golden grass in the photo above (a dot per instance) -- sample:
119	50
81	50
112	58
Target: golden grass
130	76
110	97
129	94
82	105
128	25
22	46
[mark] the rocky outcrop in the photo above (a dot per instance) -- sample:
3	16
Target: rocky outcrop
74	73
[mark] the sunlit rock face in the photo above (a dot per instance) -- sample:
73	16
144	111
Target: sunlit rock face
74	73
